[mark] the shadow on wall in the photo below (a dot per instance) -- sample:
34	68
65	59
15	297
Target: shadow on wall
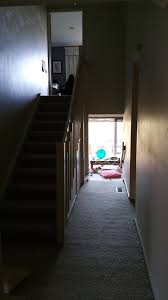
12	125
24	48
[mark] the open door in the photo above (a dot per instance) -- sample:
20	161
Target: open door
65	39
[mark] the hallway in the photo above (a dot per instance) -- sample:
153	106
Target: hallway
102	257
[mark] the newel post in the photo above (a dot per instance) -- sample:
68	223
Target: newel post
60	193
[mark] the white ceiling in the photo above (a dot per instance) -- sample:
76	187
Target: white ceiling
66	28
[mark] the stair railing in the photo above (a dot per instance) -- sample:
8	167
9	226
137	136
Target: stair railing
69	156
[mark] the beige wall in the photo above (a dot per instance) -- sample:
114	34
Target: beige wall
149	25
134	36
104	56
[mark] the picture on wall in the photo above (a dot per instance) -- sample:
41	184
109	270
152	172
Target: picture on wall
57	66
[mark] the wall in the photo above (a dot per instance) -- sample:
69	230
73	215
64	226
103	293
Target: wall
150	23
134	37
104	42
58	53
23	45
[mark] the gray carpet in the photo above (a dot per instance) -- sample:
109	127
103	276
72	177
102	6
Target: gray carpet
102	258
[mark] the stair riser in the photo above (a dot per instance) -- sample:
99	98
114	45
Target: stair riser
32	179
28	236
55	99
37	163
33	214
53	107
39	126
30	195
39	148
44	138
50	117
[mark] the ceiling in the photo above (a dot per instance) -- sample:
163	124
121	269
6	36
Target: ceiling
61	3
66	28
74	3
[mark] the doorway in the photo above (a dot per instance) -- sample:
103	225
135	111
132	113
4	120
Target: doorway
66	40
105	146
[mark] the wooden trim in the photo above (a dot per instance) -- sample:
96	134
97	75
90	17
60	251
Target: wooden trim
81	155
86	179
64	9
115	137
71	207
134	117
73	98
126	188
144	253
49	53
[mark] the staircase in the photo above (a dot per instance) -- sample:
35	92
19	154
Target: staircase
28	210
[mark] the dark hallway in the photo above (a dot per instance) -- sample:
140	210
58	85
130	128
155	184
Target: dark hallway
122	70
102	256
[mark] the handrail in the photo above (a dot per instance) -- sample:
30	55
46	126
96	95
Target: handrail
73	97
69	154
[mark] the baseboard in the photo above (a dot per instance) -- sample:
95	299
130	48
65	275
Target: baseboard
18	149
144	253
76	196
86	178
128	194
126	188
73	202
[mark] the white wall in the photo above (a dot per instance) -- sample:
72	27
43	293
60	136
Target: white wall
149	25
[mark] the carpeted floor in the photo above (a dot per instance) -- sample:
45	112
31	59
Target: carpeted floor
102	257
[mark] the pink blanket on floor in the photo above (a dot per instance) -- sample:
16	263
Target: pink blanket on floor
110	174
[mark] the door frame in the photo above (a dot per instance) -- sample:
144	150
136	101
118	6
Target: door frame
134	121
57	10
